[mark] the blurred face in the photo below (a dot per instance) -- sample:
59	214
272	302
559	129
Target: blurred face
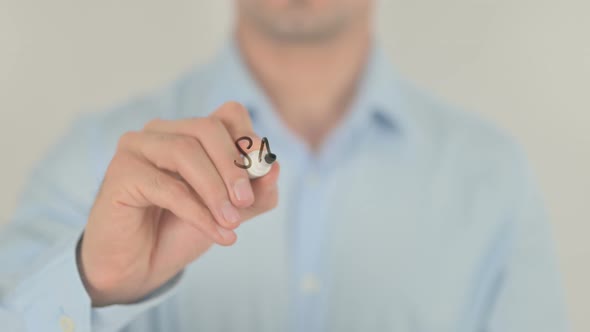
302	20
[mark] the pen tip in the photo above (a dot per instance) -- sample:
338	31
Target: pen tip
270	158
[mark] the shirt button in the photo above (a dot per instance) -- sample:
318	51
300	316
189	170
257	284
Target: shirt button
310	284
67	324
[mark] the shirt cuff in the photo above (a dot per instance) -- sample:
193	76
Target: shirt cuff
53	297
114	317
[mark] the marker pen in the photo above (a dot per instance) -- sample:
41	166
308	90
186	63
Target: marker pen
262	167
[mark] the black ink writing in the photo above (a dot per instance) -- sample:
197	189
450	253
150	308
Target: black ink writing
244	153
270	157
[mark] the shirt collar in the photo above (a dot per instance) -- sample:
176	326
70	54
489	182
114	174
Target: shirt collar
378	94
378	97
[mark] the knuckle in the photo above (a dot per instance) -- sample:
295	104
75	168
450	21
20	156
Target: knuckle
216	123
121	164
211	123
154	123
185	145
232	104
239	110
126	139
158	181
234	108
178	190
162	182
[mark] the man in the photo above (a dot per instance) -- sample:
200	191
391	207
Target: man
391	212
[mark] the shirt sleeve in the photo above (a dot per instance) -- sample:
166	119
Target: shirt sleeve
530	296
40	286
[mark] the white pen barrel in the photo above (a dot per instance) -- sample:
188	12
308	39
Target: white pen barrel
259	167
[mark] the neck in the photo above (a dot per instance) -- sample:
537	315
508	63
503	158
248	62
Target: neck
309	84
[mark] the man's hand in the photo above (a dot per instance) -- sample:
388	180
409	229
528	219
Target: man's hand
169	193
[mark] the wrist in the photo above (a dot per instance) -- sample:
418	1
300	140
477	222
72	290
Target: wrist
98	297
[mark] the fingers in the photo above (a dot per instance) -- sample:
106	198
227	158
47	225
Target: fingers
236	119
202	151
266	192
148	186
220	147
185	155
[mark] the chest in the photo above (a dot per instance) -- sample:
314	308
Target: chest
393	249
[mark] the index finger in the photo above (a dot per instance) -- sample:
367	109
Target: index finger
236	119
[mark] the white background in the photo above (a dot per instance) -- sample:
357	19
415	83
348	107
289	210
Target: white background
523	64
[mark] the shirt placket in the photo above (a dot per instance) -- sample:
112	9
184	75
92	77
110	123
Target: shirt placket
309	234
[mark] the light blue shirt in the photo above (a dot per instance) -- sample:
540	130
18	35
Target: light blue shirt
413	217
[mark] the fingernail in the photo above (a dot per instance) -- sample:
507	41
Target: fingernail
230	213
243	190
225	233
